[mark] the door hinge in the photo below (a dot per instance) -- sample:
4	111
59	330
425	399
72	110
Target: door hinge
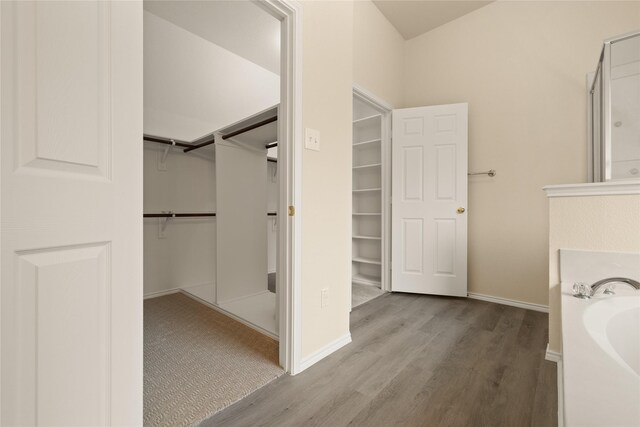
292	210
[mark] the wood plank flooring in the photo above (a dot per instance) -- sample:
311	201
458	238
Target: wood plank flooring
418	360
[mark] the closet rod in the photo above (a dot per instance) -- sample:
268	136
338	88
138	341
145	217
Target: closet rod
167	141
178	215
250	127
188	215
202	144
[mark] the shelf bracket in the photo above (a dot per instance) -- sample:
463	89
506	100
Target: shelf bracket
162	225
162	159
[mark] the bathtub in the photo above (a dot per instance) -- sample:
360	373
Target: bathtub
601	358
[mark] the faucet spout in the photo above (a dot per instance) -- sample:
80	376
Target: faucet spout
600	283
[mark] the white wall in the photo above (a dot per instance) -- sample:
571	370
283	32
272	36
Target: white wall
521	66
241	190
378	54
191	88
186	256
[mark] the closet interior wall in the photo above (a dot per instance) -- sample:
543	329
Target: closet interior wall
217	89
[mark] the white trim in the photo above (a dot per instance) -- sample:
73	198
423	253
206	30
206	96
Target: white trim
161	293
231	300
511	302
386	110
552	356
594	189
369	97
556	357
289	255
325	351
560	382
228	314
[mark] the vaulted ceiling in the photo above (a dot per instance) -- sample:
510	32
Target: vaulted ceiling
414	17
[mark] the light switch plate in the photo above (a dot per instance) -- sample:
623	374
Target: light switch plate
312	139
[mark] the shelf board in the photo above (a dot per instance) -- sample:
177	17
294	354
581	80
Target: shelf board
373	165
364	190
365	279
365	143
367	213
366	119
367	237
367	260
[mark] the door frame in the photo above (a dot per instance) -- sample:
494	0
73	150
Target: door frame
290	178
386	110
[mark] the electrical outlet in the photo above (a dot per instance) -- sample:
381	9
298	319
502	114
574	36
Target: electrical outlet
324	297
312	139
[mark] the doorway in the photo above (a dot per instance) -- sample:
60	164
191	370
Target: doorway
210	234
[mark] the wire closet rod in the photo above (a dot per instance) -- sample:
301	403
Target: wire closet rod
188	215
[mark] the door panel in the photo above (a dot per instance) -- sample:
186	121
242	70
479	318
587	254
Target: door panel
71	177
429	236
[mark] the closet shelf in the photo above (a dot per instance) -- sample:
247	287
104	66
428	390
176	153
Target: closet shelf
365	190
365	143
365	279
367	119
367	213
367	237
373	165
364	260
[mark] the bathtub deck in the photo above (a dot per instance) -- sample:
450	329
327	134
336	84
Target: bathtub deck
418	361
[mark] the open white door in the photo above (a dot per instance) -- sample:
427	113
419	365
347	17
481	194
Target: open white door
71	177
429	199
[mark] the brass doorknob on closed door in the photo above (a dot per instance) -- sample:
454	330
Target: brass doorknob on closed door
460	210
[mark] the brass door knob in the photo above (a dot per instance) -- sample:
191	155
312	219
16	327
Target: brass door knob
460	210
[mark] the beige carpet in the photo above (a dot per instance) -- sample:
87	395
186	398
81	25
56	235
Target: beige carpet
198	361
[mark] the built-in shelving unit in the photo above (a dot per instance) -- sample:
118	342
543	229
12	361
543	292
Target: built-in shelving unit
367	210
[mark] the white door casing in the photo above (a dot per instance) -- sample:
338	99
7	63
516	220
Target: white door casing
71	178
429	185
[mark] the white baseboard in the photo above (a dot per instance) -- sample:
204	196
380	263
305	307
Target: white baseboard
161	293
511	302
231	315
324	352
552	356
560	394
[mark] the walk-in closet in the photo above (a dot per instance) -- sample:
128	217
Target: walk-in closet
211	103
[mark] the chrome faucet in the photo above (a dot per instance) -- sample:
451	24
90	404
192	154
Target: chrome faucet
608	282
584	291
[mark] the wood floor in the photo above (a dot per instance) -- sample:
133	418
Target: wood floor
418	361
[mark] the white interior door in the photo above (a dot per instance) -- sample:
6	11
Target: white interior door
71	178
429	199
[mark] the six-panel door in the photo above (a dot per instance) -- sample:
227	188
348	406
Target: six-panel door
71	177
429	185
